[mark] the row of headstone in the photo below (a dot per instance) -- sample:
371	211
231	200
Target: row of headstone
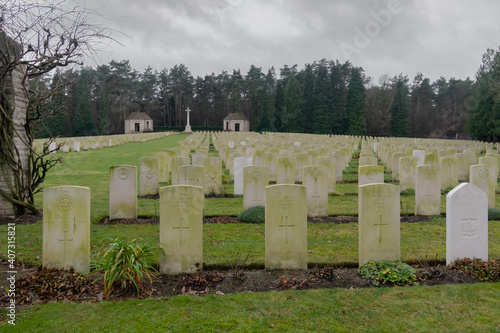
76	144
66	226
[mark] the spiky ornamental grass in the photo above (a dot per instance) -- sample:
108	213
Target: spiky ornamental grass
127	265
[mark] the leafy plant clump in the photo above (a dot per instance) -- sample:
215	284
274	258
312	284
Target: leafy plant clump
126	266
253	215
408	192
480	270
384	271
493	214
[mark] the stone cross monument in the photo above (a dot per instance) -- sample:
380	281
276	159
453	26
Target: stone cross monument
188	126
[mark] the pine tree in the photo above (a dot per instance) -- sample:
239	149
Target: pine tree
291	115
279	103
337	119
83	123
322	101
308	119
356	104
483	113
399	109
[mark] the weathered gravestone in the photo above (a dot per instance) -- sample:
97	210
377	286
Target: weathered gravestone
163	167
395	165
181	229
466	223
329	163
369	160
286	227
66	228
197	158
379	223
301	160
285	170
239	164
449	172
420	156
407	169
492	165
191	175
148	178
431	158
463	167
371	174
255	180
123	192
316	181
175	163
428	190
213	175
480	177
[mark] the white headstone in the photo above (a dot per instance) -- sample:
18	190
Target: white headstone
148	178
255	180
66	228
286	227
191	175
379	223
466	223
181	229
123	192
285	170
428	190
371	174
213	175
315	179
239	164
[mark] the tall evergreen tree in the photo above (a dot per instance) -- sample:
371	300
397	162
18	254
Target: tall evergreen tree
308	118
356	104
322	100
55	124
337	119
291	115
279	103
483	113
83	122
399	109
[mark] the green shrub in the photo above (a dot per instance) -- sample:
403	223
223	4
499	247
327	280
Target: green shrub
446	190
478	269
408	192
493	214
126	266
253	215
384	271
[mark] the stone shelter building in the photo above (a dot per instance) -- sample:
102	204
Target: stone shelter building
138	122
236	122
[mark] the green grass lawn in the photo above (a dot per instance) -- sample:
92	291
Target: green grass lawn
449	308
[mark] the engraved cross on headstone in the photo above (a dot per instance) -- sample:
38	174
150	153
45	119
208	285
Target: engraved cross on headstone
380	224
180	228
65	241
286	226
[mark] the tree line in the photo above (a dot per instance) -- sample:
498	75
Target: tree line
323	97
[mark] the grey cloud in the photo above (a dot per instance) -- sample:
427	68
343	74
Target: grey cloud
437	38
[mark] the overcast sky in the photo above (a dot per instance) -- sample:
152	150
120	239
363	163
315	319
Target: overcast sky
436	37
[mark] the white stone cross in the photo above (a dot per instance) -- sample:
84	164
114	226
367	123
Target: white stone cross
188	126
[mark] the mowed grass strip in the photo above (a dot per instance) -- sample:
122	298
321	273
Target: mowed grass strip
445	308
328	244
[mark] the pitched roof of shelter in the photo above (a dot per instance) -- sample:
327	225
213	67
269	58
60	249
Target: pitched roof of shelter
138	116
236	116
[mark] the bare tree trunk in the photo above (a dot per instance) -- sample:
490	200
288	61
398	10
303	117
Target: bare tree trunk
15	145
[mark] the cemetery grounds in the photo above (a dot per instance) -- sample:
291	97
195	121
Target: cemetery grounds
234	292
